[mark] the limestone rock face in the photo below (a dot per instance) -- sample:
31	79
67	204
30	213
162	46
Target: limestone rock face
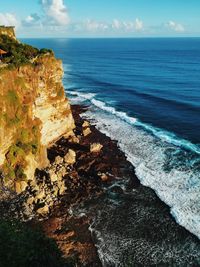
7	31
51	106
32	164
34	112
20	186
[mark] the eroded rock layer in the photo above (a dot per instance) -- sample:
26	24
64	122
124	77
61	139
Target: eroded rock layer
34	112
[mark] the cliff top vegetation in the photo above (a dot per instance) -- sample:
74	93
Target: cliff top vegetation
18	53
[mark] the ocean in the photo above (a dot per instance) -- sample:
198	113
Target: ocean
144	93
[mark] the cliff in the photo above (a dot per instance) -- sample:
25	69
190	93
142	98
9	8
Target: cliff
9	31
34	112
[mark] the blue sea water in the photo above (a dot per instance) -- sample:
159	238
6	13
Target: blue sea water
155	80
145	93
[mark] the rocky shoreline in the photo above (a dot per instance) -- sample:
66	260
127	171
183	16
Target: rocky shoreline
79	169
96	166
82	168
93	174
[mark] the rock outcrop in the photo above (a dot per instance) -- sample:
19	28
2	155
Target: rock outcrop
95	148
34	112
9	31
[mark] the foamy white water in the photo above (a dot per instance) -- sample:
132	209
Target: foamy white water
163	162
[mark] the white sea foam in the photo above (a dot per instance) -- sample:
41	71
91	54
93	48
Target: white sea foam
102	105
164	135
178	187
120	114
169	137
84	96
154	157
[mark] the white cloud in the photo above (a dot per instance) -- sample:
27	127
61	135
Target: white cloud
31	20
92	25
9	19
136	25
116	24
177	27
128	26
56	12
107	27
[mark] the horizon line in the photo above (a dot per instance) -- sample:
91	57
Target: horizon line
97	37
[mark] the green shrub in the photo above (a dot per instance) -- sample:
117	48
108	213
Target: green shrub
60	93
14	164
45	51
18	53
12	97
24	135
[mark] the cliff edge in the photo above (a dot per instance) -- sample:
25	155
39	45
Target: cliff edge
9	31
34	111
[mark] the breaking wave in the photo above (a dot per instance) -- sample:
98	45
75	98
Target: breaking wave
164	135
167	164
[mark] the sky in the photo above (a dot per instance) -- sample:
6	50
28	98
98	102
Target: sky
102	18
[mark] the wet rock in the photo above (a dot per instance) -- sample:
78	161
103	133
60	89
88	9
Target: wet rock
117	190
85	124
104	177
95	147
86	131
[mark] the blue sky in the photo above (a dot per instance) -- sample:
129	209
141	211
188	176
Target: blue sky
102	18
